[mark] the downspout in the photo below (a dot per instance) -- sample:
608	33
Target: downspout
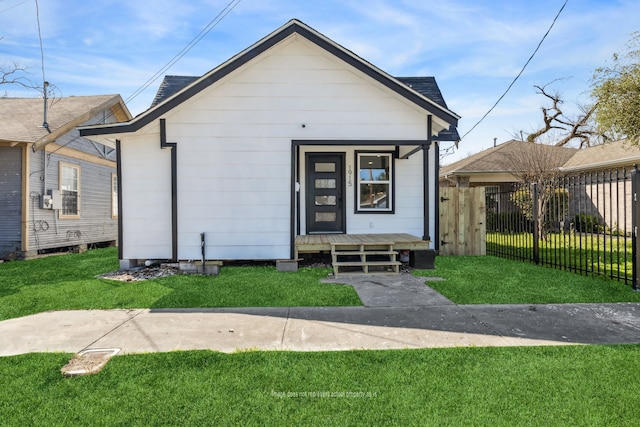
24	246
119	178
425	178
292	211
297	185
437	196
203	252
174	188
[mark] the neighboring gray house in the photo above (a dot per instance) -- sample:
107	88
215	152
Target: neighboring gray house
57	189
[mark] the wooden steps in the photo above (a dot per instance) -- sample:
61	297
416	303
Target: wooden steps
369	258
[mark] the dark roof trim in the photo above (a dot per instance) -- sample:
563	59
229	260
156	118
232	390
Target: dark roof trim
259	48
348	142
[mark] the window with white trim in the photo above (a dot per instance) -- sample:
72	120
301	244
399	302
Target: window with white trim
70	190
375	189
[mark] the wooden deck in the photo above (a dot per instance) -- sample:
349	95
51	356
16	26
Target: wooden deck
314	243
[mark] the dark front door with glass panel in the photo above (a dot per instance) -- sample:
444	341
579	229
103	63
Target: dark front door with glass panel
324	201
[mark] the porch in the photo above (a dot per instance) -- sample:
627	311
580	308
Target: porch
362	253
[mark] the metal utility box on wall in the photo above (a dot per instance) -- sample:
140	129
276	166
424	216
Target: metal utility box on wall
51	200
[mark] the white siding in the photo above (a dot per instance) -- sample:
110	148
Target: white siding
146	198
234	147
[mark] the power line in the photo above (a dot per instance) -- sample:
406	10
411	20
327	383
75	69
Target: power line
41	47
15	5
520	73
210	26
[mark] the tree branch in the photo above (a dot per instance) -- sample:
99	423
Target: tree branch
12	74
553	117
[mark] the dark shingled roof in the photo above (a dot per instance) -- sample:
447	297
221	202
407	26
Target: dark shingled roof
426	86
170	85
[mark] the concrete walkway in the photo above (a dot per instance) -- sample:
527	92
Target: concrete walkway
410	316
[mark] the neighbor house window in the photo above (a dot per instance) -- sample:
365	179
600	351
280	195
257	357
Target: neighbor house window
114	195
375	179
70	190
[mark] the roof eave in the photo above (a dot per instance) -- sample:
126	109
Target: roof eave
629	161
115	100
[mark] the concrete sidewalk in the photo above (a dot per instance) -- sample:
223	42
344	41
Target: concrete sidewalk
321	328
399	312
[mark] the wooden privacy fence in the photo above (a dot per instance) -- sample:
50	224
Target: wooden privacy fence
462	221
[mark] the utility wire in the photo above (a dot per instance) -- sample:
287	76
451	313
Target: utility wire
210	26
15	5
520	73
41	48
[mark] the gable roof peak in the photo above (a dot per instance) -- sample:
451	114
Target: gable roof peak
21	118
293	26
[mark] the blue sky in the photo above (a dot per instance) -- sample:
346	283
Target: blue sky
474	48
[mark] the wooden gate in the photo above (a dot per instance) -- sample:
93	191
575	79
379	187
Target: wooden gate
462	221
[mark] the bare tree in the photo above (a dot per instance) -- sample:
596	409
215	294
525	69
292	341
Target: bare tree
15	74
12	73
539	165
536	163
564	128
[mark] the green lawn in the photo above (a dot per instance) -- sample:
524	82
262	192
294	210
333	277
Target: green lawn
572	385
523	386
493	280
607	255
69	282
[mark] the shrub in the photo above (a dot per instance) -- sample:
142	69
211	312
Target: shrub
584	223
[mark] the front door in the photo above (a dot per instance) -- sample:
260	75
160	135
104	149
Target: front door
324	193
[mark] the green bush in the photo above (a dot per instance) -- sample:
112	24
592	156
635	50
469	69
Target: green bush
584	223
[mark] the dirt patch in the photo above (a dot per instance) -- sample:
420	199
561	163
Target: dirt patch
89	361
139	274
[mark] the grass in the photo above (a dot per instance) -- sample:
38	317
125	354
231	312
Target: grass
568	385
602	254
574	385
493	280
69	282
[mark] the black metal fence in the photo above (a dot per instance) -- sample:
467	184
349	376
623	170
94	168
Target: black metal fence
582	223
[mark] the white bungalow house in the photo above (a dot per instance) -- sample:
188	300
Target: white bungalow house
286	148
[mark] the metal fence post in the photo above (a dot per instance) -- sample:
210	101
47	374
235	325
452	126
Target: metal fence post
635	222
536	223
